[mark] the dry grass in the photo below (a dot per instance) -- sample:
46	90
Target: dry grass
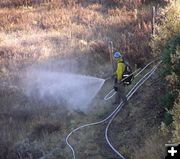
136	123
34	3
176	131
37	33
154	147
43	31
31	125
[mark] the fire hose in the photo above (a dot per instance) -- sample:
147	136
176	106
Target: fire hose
129	95
116	111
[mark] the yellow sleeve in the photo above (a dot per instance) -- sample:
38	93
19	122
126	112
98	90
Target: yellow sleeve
120	70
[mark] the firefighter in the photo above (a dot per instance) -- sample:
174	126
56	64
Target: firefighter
118	76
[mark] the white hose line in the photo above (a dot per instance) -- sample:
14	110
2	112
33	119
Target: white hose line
91	124
110	95
112	92
128	97
86	125
145	67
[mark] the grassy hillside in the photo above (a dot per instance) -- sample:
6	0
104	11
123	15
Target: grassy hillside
83	28
73	37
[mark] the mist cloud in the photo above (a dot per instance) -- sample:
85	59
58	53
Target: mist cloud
76	91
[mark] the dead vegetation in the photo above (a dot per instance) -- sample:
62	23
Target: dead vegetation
37	31
152	148
136	127
83	29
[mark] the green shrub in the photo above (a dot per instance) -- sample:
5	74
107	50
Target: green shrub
170	57
167	100
168	118
166	43
171	72
167	26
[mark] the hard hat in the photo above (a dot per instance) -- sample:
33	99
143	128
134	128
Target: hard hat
117	54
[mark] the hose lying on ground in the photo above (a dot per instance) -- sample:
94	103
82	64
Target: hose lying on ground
113	114
129	95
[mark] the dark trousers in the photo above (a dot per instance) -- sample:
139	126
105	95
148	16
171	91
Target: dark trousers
120	94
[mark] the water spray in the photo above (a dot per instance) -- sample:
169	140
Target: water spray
76	91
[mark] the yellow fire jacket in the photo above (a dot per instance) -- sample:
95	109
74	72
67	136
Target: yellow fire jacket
120	69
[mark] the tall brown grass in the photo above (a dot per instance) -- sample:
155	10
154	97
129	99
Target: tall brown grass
35	32
153	148
73	24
